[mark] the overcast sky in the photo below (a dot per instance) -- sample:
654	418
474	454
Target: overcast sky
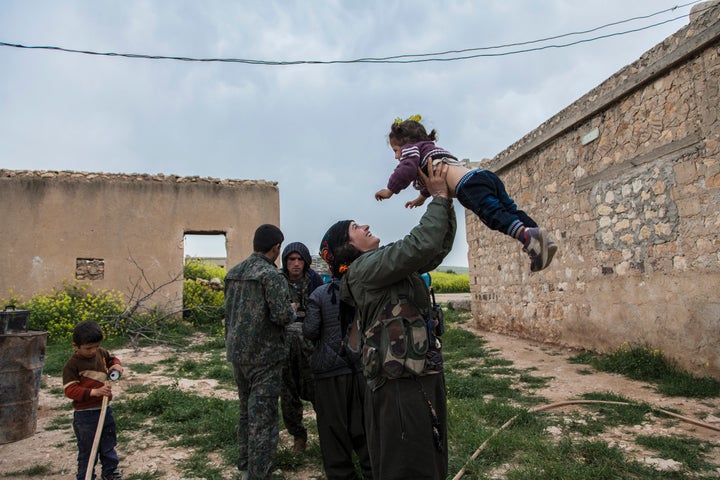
319	130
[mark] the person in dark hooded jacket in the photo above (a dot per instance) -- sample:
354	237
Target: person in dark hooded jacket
297	384
339	383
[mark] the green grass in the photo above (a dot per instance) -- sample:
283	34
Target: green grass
212	365
642	362
141	367
691	452
486	392
488	398
34	471
61	422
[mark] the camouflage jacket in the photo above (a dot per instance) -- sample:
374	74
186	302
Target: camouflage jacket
257	308
385	285
301	289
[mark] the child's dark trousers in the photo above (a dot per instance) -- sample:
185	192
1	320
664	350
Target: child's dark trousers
484	193
84	424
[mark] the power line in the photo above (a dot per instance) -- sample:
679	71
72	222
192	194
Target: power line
555	37
401	59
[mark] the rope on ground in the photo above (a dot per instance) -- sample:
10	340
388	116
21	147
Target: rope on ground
576	402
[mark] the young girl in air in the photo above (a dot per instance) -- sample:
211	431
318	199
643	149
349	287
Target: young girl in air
478	190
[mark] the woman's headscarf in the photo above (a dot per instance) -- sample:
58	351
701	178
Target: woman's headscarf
336	250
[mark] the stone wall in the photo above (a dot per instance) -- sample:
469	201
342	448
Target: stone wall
627	180
121	232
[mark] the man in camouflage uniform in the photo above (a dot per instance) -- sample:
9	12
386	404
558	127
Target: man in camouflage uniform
297	382
257	309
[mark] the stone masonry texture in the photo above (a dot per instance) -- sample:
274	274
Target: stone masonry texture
635	211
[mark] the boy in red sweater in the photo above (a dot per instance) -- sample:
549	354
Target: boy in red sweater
85	382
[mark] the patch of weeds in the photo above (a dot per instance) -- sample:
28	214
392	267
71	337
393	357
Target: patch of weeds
585	357
585	371
189	368
579	423
688	451
682	384
124	438
134	389
126	418
498	370
61	422
462	364
455	317
641	362
67	406
525	433
198	464
584	460
183	419
212	343
34	471
534	382
213	366
480	383
58	391
496	362
288	461
56	355
613	415
172	360
467	428
460	344
141	367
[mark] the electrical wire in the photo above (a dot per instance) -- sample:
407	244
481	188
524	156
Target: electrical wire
399	59
555	37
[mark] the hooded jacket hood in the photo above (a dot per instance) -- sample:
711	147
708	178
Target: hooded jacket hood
299	248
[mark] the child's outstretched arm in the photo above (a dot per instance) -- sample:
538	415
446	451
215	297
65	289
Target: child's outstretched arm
417	202
383	194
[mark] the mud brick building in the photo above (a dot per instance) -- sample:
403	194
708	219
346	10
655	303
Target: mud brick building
120	232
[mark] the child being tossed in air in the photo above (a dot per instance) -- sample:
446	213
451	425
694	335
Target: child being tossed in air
478	190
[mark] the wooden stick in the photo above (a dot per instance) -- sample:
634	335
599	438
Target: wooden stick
96	440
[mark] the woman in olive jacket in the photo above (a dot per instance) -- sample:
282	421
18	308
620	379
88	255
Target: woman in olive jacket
405	405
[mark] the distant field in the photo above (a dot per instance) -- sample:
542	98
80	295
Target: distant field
446	268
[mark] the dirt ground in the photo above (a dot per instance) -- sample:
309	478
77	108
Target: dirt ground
56	448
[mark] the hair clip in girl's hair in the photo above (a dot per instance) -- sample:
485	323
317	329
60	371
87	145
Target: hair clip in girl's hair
414	118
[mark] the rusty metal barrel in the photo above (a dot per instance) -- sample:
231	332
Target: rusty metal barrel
22	356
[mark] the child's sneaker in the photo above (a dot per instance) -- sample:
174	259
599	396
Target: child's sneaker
540	248
114	475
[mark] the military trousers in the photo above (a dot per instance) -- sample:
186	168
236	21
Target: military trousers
258	391
297	382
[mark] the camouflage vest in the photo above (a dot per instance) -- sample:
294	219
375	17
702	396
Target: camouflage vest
395	343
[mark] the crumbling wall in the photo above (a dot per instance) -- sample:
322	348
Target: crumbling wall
627	180
121	232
